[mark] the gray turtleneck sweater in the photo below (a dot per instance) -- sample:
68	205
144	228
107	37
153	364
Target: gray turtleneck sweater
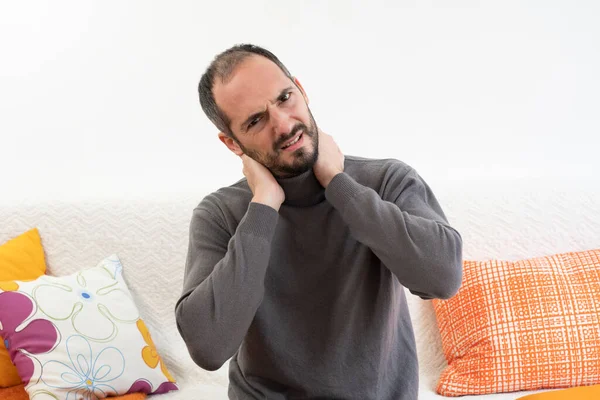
308	302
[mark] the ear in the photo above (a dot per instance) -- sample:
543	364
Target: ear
231	144
297	82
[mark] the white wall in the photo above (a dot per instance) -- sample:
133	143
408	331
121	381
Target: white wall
99	98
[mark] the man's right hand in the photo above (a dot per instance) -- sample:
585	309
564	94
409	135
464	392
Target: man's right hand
264	187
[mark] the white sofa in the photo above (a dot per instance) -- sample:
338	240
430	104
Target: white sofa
497	219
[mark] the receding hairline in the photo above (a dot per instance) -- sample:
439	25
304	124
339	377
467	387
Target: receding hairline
228	75
226	67
220	72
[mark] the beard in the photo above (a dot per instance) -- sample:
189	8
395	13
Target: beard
304	158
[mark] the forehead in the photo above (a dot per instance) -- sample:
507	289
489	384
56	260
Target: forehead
254	82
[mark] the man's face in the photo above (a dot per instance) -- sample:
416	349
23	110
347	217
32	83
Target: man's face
268	112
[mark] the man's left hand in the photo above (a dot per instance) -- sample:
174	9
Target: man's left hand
330	161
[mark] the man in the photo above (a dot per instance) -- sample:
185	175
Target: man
296	272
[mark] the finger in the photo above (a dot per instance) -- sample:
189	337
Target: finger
245	160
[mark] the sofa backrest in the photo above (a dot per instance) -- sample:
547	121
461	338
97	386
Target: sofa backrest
507	220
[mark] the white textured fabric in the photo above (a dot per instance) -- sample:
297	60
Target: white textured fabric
502	219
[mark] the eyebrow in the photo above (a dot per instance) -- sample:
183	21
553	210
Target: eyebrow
258	114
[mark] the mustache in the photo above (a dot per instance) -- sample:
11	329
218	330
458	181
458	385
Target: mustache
299	127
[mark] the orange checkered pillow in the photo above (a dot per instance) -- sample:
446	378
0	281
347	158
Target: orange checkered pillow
522	325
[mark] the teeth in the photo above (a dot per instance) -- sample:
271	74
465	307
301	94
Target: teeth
294	142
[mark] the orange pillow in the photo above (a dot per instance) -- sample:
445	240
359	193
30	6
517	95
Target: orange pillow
21	258
523	325
19	393
576	393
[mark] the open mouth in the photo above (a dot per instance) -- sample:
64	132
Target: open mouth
294	143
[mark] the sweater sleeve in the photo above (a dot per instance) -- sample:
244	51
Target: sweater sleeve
405	228
223	282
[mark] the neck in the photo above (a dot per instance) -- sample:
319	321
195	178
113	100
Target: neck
302	190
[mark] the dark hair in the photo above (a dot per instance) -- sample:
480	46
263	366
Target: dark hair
222	67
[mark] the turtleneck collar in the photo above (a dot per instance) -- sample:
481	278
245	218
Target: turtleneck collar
303	190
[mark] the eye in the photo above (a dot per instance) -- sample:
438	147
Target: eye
254	122
285	97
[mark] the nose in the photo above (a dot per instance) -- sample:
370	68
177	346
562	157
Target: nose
281	122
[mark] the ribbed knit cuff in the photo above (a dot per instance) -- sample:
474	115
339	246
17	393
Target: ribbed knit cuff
341	190
260	220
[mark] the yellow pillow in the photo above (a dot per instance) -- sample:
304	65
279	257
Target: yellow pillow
524	325
19	393
576	393
21	258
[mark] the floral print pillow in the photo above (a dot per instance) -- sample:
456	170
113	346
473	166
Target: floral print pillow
80	337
